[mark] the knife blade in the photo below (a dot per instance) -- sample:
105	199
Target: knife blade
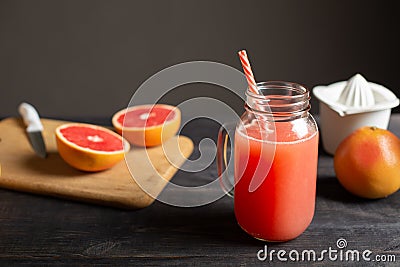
34	128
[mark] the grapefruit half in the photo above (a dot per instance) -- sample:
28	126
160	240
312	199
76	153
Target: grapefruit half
90	147
147	125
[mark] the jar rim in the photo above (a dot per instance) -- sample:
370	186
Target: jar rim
280	100
300	89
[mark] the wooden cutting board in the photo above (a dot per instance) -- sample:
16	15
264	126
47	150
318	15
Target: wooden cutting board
121	186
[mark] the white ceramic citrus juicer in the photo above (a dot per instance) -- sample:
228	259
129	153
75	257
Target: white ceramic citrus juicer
348	105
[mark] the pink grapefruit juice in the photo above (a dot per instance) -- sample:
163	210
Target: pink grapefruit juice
282	207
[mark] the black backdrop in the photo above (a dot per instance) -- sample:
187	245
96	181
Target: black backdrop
78	58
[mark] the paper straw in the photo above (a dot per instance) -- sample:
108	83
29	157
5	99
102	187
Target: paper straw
248	72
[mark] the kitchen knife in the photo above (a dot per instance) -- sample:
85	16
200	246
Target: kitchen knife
34	128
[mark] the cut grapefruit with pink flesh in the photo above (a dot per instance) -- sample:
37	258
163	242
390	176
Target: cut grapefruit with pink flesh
90	147
147	125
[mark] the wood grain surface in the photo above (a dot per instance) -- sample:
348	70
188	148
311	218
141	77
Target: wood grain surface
152	168
37	230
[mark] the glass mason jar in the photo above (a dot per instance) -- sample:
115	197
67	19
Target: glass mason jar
275	162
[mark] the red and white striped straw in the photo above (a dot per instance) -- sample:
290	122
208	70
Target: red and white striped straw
247	71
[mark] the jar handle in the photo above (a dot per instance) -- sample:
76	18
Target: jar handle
225	138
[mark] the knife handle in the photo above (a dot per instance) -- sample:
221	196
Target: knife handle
30	117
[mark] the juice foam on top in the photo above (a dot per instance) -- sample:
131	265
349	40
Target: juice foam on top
282	134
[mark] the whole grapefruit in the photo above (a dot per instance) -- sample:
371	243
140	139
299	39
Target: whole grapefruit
367	163
147	125
90	147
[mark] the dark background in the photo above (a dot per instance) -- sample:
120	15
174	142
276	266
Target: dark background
76	59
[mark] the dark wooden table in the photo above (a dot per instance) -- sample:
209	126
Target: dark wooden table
37	230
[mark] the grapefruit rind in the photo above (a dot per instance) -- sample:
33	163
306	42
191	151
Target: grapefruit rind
149	136
87	159
366	163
